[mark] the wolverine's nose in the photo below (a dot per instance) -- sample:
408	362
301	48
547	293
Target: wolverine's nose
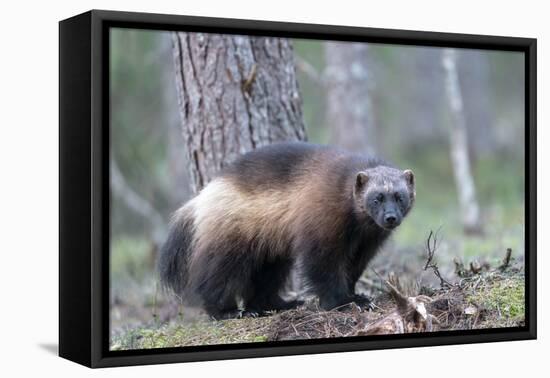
390	220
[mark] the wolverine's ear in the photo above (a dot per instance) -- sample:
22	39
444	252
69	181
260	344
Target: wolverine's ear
409	176
361	181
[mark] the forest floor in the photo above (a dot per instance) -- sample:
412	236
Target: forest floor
477	296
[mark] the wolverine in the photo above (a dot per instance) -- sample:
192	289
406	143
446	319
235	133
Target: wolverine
232	247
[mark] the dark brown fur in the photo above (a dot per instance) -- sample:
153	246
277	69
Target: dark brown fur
277	206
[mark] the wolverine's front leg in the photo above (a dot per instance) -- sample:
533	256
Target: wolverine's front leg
356	266
333	285
326	277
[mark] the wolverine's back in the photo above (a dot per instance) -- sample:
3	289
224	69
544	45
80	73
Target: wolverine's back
240	236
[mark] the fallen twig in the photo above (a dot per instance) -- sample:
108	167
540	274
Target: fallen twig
431	247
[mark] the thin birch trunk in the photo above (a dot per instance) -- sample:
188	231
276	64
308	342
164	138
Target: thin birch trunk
459	146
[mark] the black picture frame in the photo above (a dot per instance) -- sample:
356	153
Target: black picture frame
84	187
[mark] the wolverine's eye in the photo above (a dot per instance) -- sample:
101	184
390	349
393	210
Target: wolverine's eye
398	197
379	198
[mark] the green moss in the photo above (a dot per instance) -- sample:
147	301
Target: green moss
248	330
504	297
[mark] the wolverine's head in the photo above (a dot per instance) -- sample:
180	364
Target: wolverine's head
384	194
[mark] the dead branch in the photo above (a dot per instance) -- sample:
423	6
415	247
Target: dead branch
506	260
460	270
410	316
400	299
475	267
431	247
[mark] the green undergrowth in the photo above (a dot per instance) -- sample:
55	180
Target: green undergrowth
203	332
502	299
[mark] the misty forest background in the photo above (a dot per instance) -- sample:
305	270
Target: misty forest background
420	108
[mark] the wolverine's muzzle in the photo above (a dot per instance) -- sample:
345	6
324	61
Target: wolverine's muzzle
391	220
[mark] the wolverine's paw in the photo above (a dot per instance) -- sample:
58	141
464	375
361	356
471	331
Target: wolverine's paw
363	302
231	314
251	314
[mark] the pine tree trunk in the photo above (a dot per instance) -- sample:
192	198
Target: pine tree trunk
236	93
349	110
459	146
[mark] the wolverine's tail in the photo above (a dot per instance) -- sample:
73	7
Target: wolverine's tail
174	254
